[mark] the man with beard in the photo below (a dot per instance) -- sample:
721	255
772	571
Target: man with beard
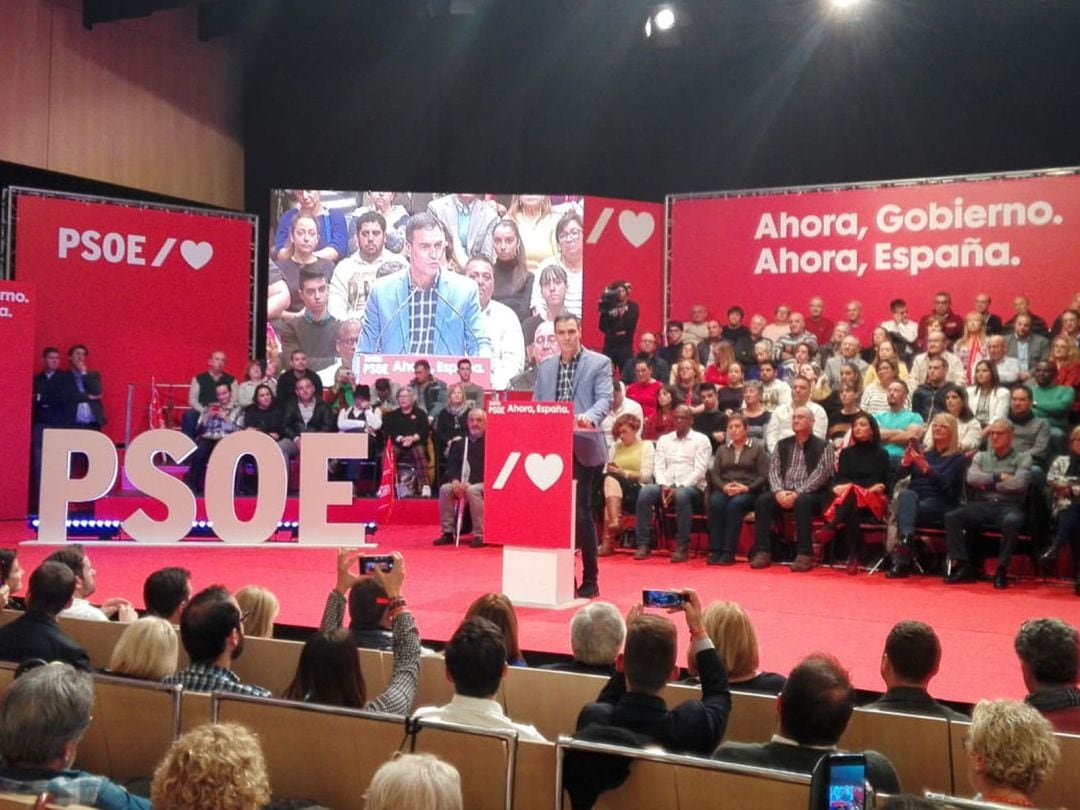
354	276
213	636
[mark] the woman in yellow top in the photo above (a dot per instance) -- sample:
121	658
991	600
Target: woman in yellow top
536	223
631	466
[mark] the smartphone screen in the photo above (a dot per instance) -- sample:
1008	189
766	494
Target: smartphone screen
847	786
661	598
383	562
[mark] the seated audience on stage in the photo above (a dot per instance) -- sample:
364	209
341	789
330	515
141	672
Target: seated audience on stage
697	329
951	323
86	403
1064	482
542	347
148	649
74	556
911	659
685	384
36	633
407	428
816	322
630	467
928	397
899	426
845	409
476	662
43	716
998	480
1067	324
784	345
714	334
254	376
1066	358
297	370
662	420
729	397
934	488
969	431
988	398
218	765
849	355
166	592
503	328
740	469
716	372
621	405
779	327
644	388
1031	434
632	700
1022	309
900	327
1049	653
285	302
834	346
970	347
305	414
860	489
354	275
857	324
452	421
499	610
212	631
757	416
730	629
1011	751
430	391
597	632
474	394
801	364
203	391
374	602
264	414
414	782
11	580
340	392
260	608
1008	368
757	328
710	420
385	398
569	256
780	423
464	482
345	340
688	353
1053	403
513	283
992	321
936	347
217	421
800	469
331	240
884	351
775	393
813	710
673	343
647	351
394	213
679	470
1027	345
536	226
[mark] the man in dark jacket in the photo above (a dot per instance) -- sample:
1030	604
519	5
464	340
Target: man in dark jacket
36	633
464	481
911	659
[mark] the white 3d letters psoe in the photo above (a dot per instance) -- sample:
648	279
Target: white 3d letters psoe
58	489
273	485
172	492
318	493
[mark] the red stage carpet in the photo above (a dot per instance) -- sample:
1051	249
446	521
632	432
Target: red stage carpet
794	614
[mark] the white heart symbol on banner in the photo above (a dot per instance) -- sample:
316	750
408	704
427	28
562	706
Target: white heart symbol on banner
197	254
637	228
543	471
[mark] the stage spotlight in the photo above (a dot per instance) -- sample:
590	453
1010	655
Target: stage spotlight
842	4
665	19
663	24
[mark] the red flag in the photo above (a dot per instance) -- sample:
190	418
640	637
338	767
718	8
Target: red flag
157	412
386	485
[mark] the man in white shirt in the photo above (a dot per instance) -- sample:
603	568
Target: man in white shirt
351	281
74	557
1008	368
774	392
476	663
935	347
682	461
900	324
501	324
620	404
779	424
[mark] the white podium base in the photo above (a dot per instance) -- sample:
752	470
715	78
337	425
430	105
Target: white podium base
539	577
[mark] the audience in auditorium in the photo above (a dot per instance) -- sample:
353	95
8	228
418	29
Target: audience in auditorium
11	580
630	467
631	698
315	334
731	631
148	649
1049	650
499	610
1027	345
1064	482
464	482
259	608
219	765
910	660
36	633
407	428
166	592
218	420
74	556
503	328
813	710
1011	751
739	471
597	632
203	391
647	351
43	716
212	631
298	369
414	782
476	662
780	425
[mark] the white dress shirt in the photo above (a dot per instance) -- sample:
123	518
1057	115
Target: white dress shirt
507	344
682	462
779	425
470	711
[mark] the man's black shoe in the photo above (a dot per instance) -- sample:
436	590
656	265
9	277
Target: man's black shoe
476	542
1001	578
720	558
588	590
962	571
443	540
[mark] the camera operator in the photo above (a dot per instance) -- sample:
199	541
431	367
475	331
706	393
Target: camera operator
618	320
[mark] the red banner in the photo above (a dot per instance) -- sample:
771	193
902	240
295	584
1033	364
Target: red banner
150	291
528	474
17	310
1004	237
399	368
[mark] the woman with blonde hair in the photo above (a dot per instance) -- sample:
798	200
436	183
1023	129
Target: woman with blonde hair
729	627
414	782
259	607
1011	751
218	766
536	226
970	347
147	649
630	466
723	355
1066	358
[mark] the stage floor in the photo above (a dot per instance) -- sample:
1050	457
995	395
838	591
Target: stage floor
794	614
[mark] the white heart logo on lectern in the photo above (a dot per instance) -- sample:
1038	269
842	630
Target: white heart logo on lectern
197	254
543	471
637	228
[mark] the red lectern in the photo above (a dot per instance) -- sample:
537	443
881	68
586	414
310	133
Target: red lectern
529	499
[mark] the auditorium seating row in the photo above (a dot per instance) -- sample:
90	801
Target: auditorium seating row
330	754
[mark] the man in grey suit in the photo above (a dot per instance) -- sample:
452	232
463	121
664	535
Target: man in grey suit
469	219
1028	347
583	377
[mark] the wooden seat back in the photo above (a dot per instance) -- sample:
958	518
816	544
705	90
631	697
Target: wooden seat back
726	790
534	776
549	700
194	710
484	759
268	662
752	718
917	746
97	638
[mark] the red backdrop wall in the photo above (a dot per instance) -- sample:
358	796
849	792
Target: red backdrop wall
150	291
1001	236
17	313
